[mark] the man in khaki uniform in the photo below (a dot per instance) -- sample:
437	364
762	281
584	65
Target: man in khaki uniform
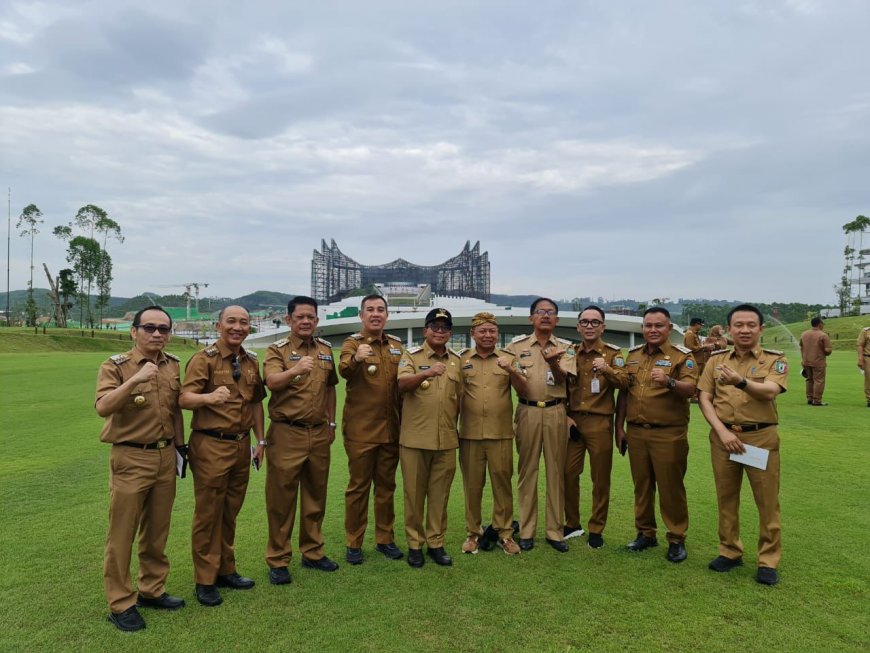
863	346
738	398
596	370
815	349
137	393
661	379
692	341
300	372
540	424
224	389
486	432
431	382
370	423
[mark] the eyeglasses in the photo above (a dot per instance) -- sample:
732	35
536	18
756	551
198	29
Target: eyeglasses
440	328
549	312
237	368
590	323
151	328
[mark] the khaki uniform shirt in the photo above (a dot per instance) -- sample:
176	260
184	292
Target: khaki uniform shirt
864	340
429	414
209	369
153	417
372	406
815	346
304	400
649	402
542	386
581	399
734	406
487	409
692	341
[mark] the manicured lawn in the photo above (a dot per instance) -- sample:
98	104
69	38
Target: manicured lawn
53	498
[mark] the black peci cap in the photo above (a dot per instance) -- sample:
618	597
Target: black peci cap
439	314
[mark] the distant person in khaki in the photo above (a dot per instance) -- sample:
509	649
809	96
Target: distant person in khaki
224	389
738	398
596	370
137	393
300	372
540	424
815	349
661	379
486	432
700	347
370	423
864	360
431	382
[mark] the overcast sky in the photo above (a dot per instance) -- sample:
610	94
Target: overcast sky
623	149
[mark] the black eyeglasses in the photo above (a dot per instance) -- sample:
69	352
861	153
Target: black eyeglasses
440	328
548	312
151	328
590	323
237	368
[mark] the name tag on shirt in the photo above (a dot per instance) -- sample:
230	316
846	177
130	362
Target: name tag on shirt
595	386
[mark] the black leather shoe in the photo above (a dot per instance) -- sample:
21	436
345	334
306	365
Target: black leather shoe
559	545
641	543
527	543
677	552
390	550
595	541
279	576
234	581
766	576
415	558
723	564
353	555
208	595
162	602
129	620
324	564
489	539
440	556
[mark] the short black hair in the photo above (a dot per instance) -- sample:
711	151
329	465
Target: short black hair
542	299
816	321
696	320
658	309
745	307
153	307
300	300
372	297
592	307
221	312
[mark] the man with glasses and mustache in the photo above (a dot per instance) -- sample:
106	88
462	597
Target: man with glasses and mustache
300	372
540	424
661	380
431	381
137	394
224	389
597	369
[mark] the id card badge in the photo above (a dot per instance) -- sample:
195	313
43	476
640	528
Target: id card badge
595	387
551	380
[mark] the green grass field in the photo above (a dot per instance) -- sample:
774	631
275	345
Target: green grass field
53	500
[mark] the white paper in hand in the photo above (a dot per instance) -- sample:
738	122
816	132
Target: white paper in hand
180	465
754	457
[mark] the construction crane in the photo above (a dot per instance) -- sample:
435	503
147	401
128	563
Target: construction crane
191	291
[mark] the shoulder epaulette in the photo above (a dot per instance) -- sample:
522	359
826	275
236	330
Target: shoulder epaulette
720	351
518	338
324	342
565	342
211	351
464	350
771	351
415	350
251	354
867	328
508	353
616	347
172	356
117	359
392	337
636	347
450	351
357	336
685	350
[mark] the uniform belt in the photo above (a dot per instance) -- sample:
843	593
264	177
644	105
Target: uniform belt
746	428
540	404
586	413
160	444
648	426
220	435
301	425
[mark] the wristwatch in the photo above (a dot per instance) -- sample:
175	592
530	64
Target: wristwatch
672	383
742	384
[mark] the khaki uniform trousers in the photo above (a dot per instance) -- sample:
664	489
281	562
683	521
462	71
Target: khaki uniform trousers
728	476
537	429
596	437
815	383
426	474
142	490
221	469
367	464
297	463
659	457
474	458
867	378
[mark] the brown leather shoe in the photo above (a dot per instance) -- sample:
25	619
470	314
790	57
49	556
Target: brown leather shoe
510	547
470	544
